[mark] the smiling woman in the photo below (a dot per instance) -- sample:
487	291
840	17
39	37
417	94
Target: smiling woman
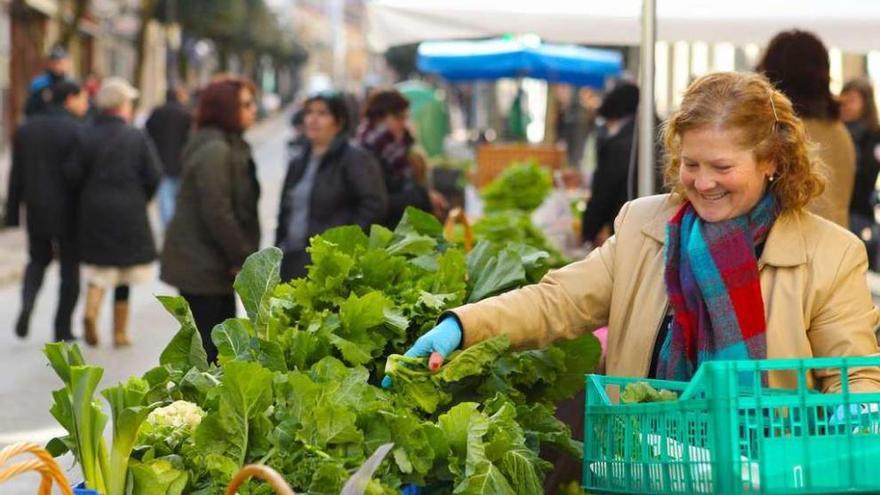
731	140
730	266
721	179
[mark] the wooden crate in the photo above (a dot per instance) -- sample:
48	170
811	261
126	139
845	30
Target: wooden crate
493	158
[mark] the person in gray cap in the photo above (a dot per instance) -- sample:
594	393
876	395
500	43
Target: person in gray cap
117	174
40	89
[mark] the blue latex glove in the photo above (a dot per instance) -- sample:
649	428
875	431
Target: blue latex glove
442	340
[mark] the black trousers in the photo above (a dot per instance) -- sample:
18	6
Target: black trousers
41	250
209	311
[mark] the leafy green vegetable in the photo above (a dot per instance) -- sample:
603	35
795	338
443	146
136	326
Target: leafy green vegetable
245	394
158	478
77	410
521	186
429	390
185	349
514	226
128	412
638	392
255	284
296	384
494	271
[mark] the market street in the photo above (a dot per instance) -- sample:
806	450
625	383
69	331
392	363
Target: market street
26	381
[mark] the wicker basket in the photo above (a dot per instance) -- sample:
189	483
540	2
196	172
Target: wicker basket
44	464
262	472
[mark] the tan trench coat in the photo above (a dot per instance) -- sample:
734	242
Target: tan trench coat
816	298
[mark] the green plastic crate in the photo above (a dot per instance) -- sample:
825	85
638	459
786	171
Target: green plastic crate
728	434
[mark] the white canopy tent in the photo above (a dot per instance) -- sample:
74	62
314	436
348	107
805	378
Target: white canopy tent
851	25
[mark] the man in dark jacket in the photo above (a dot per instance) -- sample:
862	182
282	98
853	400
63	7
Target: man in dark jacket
168	127
40	90
39	149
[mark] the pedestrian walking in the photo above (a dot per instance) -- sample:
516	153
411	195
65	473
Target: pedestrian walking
615	159
118	173
39	149
216	224
40	89
329	183
859	112
168	126
796	62
384	133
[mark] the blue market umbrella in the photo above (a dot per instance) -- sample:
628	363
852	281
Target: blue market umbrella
494	59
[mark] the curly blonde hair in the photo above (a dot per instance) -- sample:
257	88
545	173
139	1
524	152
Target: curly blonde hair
763	120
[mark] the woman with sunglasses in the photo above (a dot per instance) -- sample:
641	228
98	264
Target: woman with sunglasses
216	224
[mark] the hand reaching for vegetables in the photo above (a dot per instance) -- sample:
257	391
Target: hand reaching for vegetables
439	342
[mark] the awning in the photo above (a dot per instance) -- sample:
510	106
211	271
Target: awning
494	59
851	25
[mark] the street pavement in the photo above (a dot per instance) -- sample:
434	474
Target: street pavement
26	382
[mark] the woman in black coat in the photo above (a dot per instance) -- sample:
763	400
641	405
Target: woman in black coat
329	183
612	184
117	172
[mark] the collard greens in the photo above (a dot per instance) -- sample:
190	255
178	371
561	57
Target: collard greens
297	385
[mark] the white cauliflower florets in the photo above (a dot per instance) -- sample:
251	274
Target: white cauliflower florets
178	414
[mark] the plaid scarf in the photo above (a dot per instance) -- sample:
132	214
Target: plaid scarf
391	153
714	289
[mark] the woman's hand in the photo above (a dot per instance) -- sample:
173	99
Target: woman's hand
439	342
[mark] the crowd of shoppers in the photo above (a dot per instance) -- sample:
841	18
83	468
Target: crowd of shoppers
86	186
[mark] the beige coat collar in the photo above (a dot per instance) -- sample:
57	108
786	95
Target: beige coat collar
785	244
